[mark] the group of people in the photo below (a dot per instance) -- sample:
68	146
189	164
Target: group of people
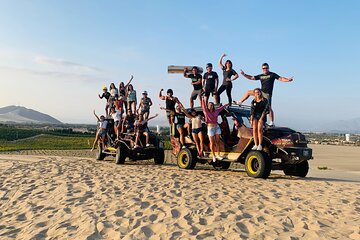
124	100
203	87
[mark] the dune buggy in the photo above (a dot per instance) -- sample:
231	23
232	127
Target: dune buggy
122	148
283	148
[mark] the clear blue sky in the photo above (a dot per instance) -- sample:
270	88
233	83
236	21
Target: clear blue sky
55	56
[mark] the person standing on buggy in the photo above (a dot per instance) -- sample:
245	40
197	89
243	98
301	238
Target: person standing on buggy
210	83
114	94
105	95
196	129
259	109
101	131
116	115
170	101
196	81
228	72
214	131
123	91
131	99
141	129
144	105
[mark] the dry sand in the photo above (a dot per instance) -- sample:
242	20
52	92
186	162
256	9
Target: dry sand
74	197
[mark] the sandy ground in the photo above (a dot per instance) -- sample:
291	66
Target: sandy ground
73	196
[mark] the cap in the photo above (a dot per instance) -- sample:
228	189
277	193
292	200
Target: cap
208	65
104	88
144	92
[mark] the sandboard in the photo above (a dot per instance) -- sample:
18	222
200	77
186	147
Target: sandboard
180	69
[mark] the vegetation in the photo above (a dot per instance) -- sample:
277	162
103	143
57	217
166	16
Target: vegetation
48	142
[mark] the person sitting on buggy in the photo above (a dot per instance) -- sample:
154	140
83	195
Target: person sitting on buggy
128	122
105	95
259	109
141	129
116	115
171	101
144	105
101	131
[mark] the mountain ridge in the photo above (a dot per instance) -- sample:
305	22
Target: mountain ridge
20	114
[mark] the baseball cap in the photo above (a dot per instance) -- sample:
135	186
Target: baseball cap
208	65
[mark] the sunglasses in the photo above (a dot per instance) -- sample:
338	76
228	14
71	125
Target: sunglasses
265	68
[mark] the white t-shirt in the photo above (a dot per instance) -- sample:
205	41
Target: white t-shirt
103	124
116	116
114	92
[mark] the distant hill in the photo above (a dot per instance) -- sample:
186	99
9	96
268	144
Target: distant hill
341	126
18	114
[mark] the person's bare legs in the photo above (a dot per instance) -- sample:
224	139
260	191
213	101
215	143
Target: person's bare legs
216	99
97	137
103	142
196	140
212	145
255	132
271	114
182	137
246	96
217	143
191	102
146	138
260	131
201	138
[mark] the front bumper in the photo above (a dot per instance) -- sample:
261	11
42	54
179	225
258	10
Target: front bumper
299	154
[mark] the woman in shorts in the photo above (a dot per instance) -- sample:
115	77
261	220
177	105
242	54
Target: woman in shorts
259	109
116	115
214	131
131	99
196	123
101	131
141	129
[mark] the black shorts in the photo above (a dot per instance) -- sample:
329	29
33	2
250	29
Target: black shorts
209	90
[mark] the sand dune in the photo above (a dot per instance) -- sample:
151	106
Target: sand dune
44	197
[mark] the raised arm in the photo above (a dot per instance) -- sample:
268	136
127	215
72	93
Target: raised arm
152	117
220	60
247	76
97	117
132	77
284	79
185	71
161	96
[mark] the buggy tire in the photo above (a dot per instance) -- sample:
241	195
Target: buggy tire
258	164
99	153
221	165
159	157
299	170
186	159
121	154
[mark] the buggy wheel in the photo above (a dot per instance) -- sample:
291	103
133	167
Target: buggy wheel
159	156
99	152
121	154
186	159
218	165
299	170
258	164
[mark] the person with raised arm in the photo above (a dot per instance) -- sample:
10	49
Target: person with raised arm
196	125
123	91
144	105
101	130
196	81
131	99
170	102
267	80
140	129
106	95
259	109
211	117
229	75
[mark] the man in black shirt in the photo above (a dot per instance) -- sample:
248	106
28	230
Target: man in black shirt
210	83
196	81
267	79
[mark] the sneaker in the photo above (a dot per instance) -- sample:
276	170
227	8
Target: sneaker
254	147
214	159
271	124
136	146
182	147
148	145
259	148
219	158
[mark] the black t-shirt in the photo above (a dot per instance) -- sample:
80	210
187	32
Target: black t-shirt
195	79
267	81
180	118
170	104
105	95
259	108
228	75
210	79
